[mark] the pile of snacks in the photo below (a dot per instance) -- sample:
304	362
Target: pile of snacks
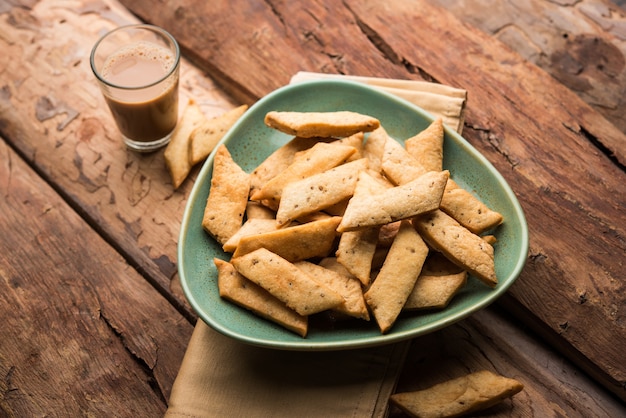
345	219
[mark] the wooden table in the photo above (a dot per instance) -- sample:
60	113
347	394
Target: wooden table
92	317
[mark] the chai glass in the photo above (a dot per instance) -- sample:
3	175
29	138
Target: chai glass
137	68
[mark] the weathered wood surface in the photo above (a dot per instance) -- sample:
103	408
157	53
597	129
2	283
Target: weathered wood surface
581	43
564	160
46	56
82	333
52	114
270	41
458	350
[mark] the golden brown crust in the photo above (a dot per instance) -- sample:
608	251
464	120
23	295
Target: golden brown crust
228	197
319	191
348	287
458	244
324	124
391	288
468	210
295	243
286	282
437	284
205	137
402	202
317	159
457	397
427	146
241	291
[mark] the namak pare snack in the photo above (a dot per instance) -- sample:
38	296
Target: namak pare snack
345	220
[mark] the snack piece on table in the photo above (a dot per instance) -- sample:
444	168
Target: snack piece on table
402	202
318	191
177	151
286	282
319	158
295	243
393	284
348	287
324	124
456	397
205	136
464	248
437	284
243	292
228	197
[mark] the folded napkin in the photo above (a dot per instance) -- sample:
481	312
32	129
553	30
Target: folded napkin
439	100
221	377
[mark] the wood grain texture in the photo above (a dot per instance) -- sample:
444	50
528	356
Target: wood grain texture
253	48
90	337
564	160
51	113
51	105
580	43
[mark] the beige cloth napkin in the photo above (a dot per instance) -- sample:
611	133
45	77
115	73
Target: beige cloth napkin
221	377
438	99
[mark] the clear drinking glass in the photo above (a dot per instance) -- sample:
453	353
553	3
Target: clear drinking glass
137	68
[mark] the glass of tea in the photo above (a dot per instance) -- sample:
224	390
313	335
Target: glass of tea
137	68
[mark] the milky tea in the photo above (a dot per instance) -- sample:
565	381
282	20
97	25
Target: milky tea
139	79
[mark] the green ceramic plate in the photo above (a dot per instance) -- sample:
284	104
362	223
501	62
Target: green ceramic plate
250	142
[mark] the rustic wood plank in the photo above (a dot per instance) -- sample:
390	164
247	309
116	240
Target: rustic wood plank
582	43
90	337
272	40
82	157
252	48
51	104
535	131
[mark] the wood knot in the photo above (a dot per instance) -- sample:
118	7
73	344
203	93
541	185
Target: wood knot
47	108
587	57
88	129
